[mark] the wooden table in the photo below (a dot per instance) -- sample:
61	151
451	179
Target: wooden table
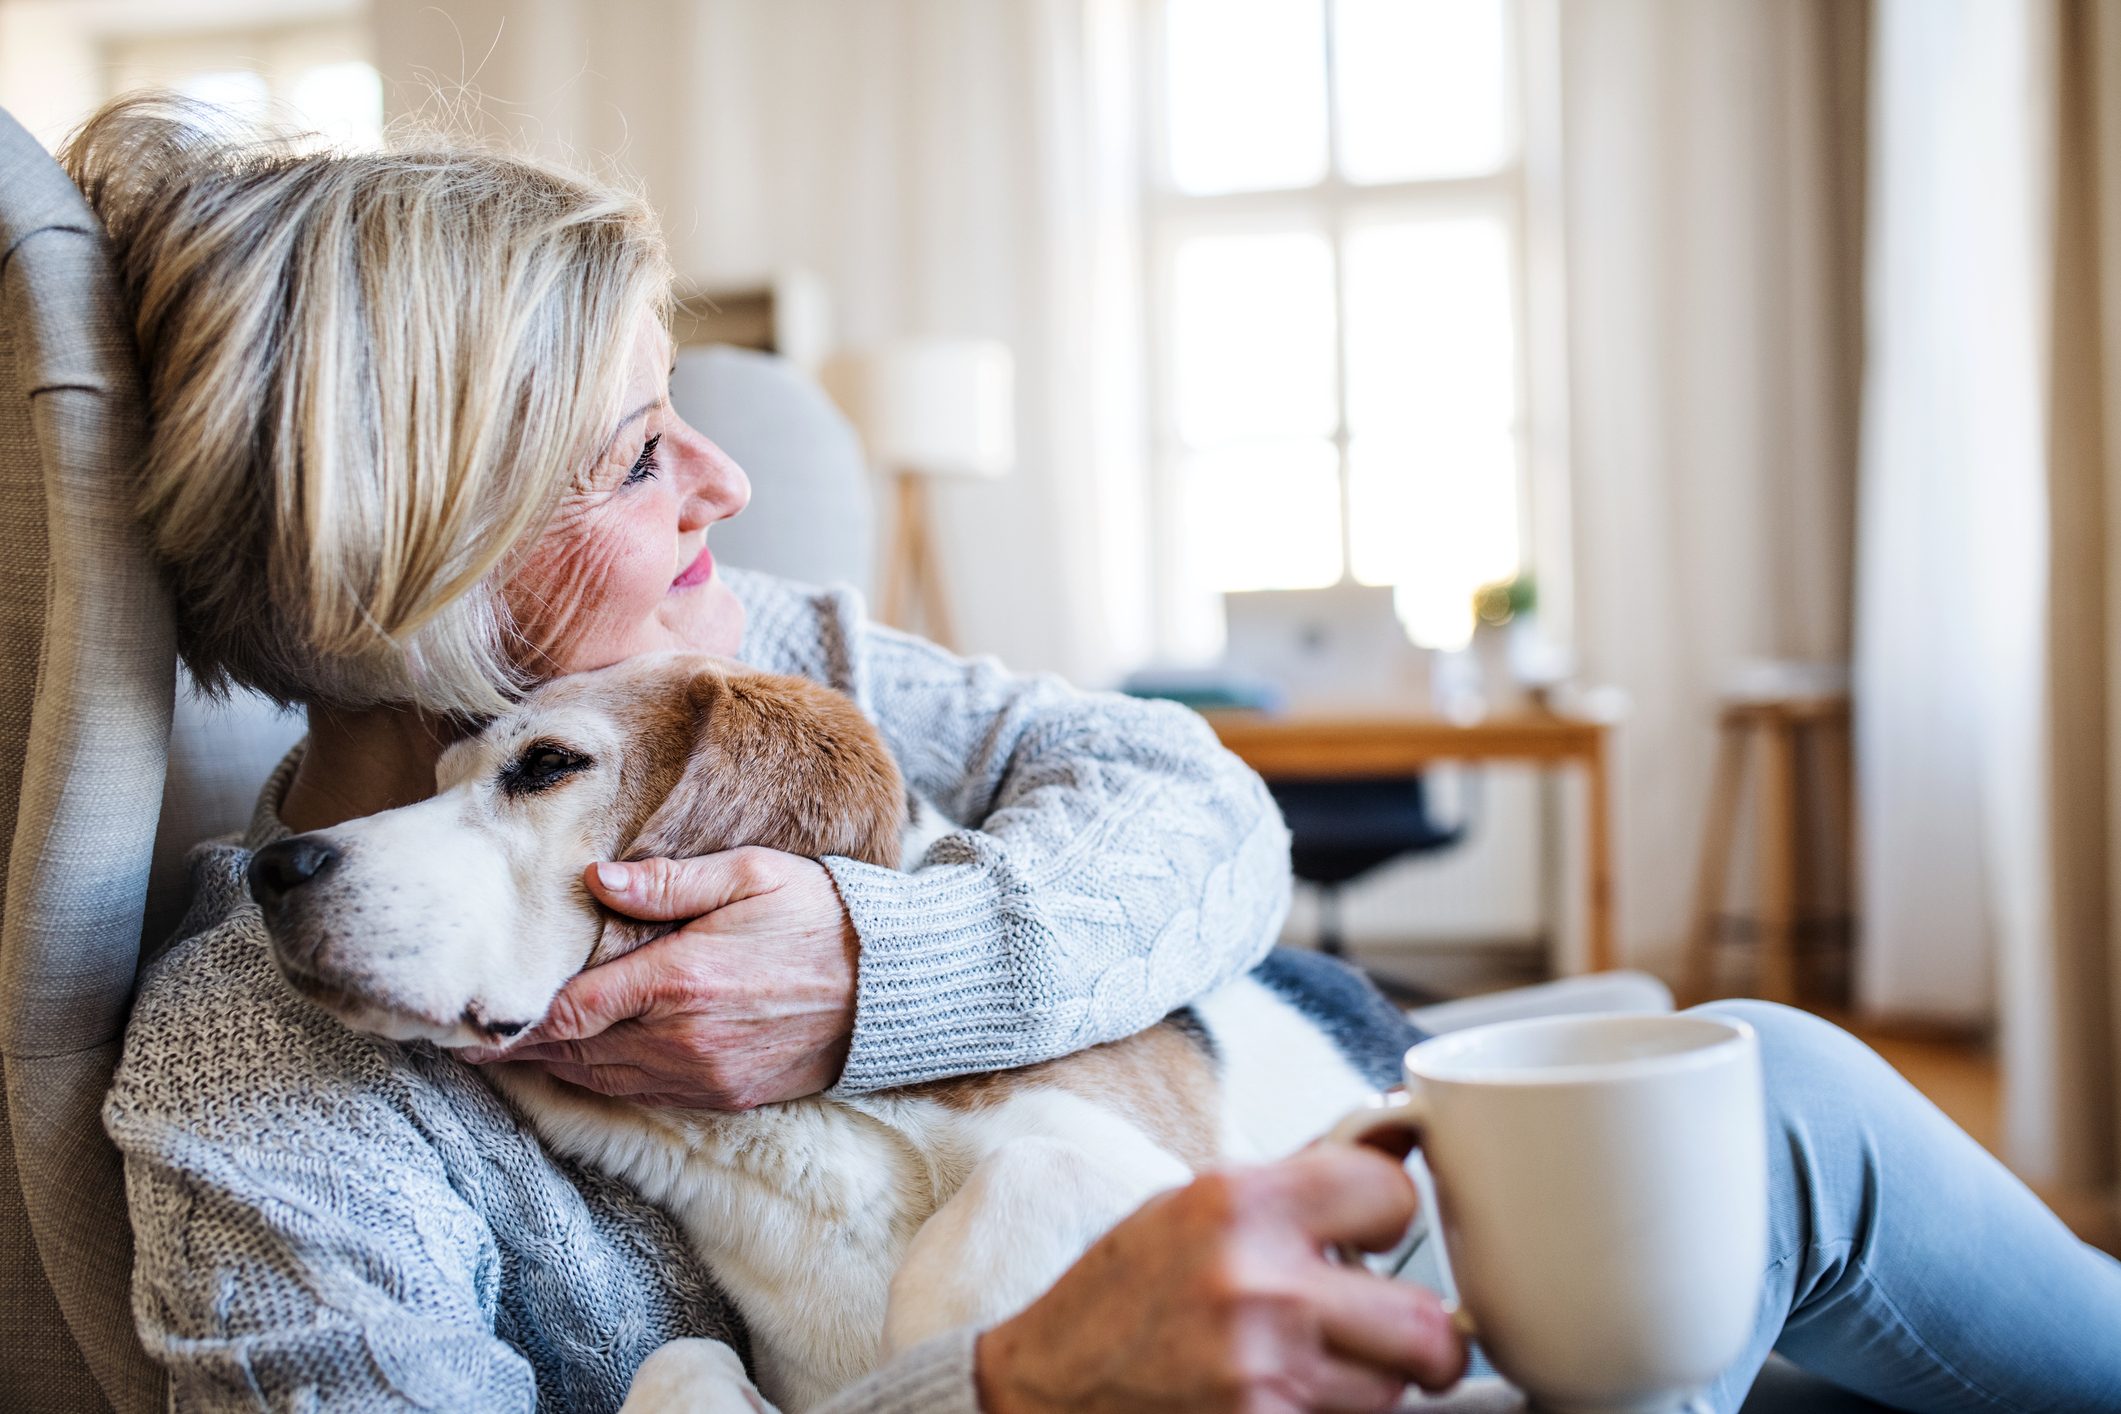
1310	746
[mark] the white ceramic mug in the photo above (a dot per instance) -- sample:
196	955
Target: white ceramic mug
1602	1186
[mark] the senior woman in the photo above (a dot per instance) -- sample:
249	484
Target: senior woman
412	452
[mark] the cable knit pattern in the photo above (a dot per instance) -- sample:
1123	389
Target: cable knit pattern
327	1220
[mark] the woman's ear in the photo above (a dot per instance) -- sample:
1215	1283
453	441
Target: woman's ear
780	762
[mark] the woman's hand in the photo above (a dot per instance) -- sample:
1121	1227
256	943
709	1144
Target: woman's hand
1218	1297
749	1003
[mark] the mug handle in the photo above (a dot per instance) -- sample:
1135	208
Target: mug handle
1401	1110
1394	1109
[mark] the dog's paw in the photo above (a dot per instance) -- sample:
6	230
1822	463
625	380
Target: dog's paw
693	1377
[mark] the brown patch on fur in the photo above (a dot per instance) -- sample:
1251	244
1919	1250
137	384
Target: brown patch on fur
1161	1079
720	756
780	762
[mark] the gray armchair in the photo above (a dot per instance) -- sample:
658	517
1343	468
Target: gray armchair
84	717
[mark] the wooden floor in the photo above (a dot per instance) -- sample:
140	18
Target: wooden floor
1961	1077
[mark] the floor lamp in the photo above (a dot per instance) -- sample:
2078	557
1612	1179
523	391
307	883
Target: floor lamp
927	409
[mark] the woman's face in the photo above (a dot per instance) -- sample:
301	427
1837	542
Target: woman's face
623	568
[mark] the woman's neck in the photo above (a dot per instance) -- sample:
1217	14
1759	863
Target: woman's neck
360	762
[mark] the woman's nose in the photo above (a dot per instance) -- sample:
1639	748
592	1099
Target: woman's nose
715	486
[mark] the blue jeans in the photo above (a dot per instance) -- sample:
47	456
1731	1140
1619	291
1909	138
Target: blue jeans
1904	1262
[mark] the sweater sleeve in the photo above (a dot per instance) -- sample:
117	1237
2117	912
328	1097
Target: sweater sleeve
326	1221
1114	862
262	1306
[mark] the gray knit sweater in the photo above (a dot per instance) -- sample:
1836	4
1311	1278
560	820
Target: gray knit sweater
324	1219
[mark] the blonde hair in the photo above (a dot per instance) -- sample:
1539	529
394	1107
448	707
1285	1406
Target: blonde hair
370	378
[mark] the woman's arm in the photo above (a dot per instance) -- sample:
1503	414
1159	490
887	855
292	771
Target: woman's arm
1116	862
327	1220
259	1286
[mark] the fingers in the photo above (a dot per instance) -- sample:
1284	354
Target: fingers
590	1005
669	890
1348	1385
606	1078
621	1049
600	997
1344	1193
640	1084
1389	1325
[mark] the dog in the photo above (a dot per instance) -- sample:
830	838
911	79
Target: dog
843	1228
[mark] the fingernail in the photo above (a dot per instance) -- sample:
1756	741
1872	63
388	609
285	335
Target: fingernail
615	877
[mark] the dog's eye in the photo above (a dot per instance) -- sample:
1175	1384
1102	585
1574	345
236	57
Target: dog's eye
542	764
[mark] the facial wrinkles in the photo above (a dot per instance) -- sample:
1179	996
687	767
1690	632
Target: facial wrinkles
563	586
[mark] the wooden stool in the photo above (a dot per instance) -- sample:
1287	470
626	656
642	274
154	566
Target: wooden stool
1782	732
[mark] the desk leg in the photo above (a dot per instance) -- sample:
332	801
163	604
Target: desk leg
1598	873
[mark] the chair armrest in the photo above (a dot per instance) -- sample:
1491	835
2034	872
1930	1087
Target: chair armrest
1597	991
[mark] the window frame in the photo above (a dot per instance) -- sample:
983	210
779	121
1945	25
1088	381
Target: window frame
1523	194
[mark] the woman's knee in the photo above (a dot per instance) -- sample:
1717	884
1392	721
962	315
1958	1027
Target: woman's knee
1817	1076
1790	1037
1828	1098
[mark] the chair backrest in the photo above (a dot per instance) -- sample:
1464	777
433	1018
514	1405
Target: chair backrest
87	671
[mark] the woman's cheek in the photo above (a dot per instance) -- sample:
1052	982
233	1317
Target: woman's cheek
588	592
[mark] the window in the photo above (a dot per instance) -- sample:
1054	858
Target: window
1337	303
316	76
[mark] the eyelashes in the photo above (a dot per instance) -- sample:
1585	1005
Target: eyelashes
645	465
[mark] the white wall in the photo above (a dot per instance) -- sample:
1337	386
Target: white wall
51	72
53	68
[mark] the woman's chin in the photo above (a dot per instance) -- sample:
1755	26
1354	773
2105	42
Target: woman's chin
706	618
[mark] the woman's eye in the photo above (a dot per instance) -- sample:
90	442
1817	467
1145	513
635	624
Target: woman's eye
645	465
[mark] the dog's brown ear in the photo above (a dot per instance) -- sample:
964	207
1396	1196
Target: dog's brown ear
781	762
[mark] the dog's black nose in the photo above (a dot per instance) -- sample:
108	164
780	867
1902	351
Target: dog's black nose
279	869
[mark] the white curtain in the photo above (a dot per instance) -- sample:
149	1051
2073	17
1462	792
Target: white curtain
1954	540
947	166
1711	175
1991	553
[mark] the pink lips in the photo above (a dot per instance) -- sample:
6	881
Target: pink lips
698	572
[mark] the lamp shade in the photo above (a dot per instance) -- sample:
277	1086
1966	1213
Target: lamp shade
941	407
